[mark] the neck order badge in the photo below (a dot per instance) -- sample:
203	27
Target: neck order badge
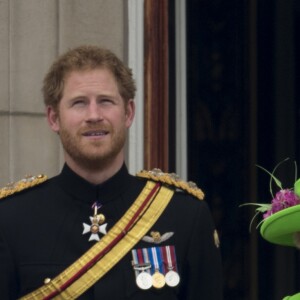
97	225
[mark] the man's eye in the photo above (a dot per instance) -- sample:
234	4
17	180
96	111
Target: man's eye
106	101
78	102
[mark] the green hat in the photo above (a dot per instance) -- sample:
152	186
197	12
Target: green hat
280	228
294	297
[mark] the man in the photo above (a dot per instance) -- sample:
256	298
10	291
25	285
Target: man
94	231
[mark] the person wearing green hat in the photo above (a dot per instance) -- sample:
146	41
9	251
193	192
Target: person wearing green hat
282	228
280	223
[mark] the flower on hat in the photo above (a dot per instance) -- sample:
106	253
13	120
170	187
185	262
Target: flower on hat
284	198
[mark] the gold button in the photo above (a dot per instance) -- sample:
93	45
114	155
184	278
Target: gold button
47	280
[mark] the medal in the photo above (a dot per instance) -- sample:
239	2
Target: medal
158	280
172	278
144	280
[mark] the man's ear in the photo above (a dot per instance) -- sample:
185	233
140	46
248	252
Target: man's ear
53	118
130	112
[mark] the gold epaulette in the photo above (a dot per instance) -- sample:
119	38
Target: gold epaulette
172	179
25	183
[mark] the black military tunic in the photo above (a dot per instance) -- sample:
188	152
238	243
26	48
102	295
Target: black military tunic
41	234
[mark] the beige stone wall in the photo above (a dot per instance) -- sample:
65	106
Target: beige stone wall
32	34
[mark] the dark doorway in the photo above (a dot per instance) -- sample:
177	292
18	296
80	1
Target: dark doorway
243	84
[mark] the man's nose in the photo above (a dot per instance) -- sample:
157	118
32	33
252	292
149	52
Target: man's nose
94	112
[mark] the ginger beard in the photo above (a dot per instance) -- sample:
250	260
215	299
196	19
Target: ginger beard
93	154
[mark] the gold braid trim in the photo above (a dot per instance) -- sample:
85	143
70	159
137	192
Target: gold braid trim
172	179
25	183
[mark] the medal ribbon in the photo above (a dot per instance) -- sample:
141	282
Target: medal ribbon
135	261
141	261
156	259
146	259
169	257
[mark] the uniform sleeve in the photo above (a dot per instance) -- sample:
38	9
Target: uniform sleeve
203	270
8	284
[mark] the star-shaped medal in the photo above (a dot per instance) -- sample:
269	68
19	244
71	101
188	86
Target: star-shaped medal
95	228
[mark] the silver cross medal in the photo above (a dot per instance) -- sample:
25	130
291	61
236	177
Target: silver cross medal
96	225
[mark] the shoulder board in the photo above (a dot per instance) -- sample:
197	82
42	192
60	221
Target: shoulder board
172	179
25	183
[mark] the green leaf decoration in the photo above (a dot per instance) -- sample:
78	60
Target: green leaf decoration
277	181
262	207
252	220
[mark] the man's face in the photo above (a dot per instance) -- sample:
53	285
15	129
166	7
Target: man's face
92	119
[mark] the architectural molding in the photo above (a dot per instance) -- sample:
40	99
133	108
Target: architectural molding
135	156
181	98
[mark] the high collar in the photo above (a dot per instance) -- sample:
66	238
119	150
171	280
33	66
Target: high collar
88	192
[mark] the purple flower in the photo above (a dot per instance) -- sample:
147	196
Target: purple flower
283	199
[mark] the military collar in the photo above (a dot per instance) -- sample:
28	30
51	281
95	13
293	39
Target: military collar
88	192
